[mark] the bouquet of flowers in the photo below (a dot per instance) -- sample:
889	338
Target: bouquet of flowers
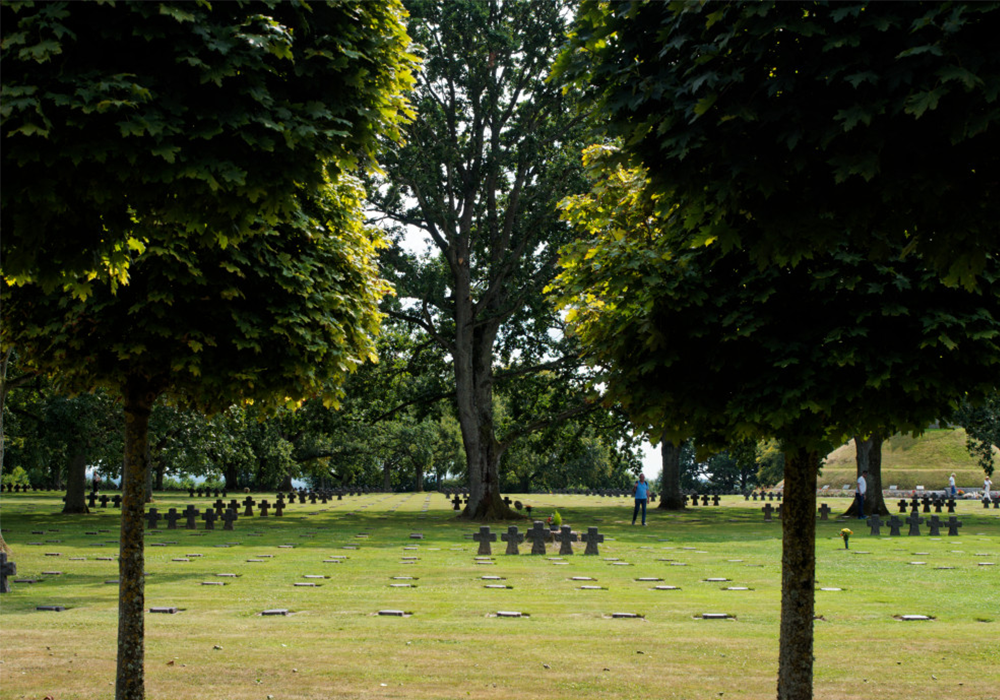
846	534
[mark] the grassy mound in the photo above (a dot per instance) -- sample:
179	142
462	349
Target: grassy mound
907	462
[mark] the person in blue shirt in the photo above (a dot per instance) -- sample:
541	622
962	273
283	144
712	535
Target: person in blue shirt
641	493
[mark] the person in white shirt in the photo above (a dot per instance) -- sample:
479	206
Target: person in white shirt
860	494
987	485
951	485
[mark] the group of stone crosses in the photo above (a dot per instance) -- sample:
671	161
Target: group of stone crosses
229	513
538	535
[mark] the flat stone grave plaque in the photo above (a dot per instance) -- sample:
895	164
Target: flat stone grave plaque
736	588
164	610
286	546
914	618
337	556
114	582
831	588
314	576
302	584
649	578
677	563
582	578
51	608
213	583
490	578
275	611
194	556
666	588
349	546
497	585
717	579
256	561
78	558
593	588
625	615
53	554
393	613
987	563
180	559
715	616
52	573
157	544
619	563
917	563
411	549
734	561
510	613
228	575
403	578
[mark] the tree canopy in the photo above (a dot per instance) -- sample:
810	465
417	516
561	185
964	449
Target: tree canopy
180	213
786	128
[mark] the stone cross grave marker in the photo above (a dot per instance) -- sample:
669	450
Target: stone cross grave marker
894	524
934	523
191	515
457	502
302	497
229	517
234	505
7	568
915	522
694	499
249	503
537	534
875	523
220	506
92	499
116	500
209	517
768	509
264	505
953	525
824	512
715	500
566	539
592	538
513	538
279	508
951	505
104	500
484	537
172	517
902	505
151	518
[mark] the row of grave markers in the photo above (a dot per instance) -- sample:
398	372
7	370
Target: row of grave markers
538	535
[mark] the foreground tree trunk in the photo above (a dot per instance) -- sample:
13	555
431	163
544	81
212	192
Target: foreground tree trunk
76	485
671	497
868	457
798	576
130	682
232	480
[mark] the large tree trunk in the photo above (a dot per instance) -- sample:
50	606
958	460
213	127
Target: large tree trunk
868	457
798	575
671	497
76	485
130	684
387	475
285	485
158	480
232	478
148	477
420	477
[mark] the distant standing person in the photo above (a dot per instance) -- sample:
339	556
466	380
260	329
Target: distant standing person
987	485
641	493
859	494
951	485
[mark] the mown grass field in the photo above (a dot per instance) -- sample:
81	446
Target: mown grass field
334	645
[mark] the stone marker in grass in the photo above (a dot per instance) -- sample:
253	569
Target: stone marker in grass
593	538
934	525
566	538
768	510
229	517
7	568
484	537
513	538
824	512
152	517
209	517
894	524
164	610
953	525
915	521
875	523
276	611
51	608
538	534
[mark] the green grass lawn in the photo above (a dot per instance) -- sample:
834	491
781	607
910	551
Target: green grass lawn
334	645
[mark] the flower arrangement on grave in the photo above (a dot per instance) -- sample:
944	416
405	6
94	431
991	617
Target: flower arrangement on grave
846	534
555	520
518	505
528	508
